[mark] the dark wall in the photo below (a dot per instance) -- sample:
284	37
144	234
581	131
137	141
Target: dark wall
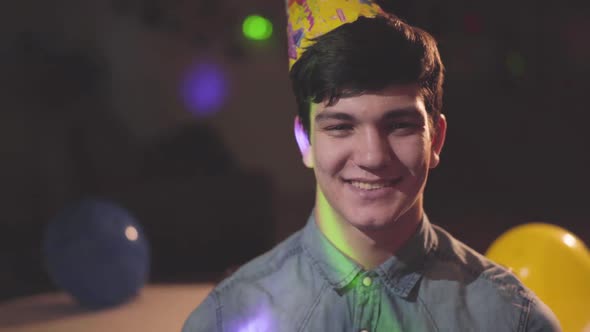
90	106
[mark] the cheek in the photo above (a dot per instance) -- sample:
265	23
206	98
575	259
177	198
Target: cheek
412	152
328	156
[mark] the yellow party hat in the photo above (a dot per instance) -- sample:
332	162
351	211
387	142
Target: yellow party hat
308	19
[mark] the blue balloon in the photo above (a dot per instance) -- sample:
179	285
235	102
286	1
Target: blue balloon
97	252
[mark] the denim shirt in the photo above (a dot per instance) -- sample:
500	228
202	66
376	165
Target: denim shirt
434	283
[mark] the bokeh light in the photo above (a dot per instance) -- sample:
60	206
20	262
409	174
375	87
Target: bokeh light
131	233
569	240
256	27
473	23
205	89
516	64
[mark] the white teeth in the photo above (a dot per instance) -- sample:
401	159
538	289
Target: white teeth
369	186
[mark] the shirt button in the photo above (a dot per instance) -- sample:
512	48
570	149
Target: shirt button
367	282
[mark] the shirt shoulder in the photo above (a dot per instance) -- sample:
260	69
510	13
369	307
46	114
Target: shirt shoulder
260	294
284	255
204	317
482	292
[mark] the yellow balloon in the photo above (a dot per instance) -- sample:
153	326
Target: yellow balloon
552	262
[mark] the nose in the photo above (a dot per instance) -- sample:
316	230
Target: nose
373	150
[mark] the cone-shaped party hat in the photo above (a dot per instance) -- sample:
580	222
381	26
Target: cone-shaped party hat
308	19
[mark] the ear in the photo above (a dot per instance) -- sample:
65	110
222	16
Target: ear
438	140
303	143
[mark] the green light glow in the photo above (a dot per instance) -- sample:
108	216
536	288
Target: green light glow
328	223
516	64
256	27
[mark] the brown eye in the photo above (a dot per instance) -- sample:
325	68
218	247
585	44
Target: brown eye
340	127
339	130
402	125
404	128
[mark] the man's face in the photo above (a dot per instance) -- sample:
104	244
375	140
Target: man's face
371	155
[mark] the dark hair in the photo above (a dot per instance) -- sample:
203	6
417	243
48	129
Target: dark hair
368	55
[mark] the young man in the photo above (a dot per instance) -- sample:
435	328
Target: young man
369	92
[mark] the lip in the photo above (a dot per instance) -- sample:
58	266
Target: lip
373	194
372	181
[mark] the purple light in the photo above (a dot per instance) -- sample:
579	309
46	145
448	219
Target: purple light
301	136
258	323
204	89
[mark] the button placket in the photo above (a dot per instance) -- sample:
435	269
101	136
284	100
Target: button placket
369	298
367	281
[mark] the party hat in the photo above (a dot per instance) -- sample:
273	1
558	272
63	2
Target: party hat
308	19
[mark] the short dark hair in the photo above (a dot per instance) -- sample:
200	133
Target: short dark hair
368	55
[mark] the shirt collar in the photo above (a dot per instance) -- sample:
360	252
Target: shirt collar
400	273
333	265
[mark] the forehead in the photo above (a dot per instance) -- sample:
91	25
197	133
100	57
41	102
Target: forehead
403	98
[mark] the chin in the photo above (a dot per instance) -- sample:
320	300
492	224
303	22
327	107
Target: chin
372	223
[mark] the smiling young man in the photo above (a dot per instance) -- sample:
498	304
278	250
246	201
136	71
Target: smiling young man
369	93
371	155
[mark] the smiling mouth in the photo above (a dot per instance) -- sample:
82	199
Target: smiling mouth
373	185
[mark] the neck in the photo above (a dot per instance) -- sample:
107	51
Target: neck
367	247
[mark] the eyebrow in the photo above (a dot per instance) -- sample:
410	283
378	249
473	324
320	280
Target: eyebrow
389	115
333	115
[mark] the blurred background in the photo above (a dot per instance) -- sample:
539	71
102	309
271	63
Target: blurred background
181	112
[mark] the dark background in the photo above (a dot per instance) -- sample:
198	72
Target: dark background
90	107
